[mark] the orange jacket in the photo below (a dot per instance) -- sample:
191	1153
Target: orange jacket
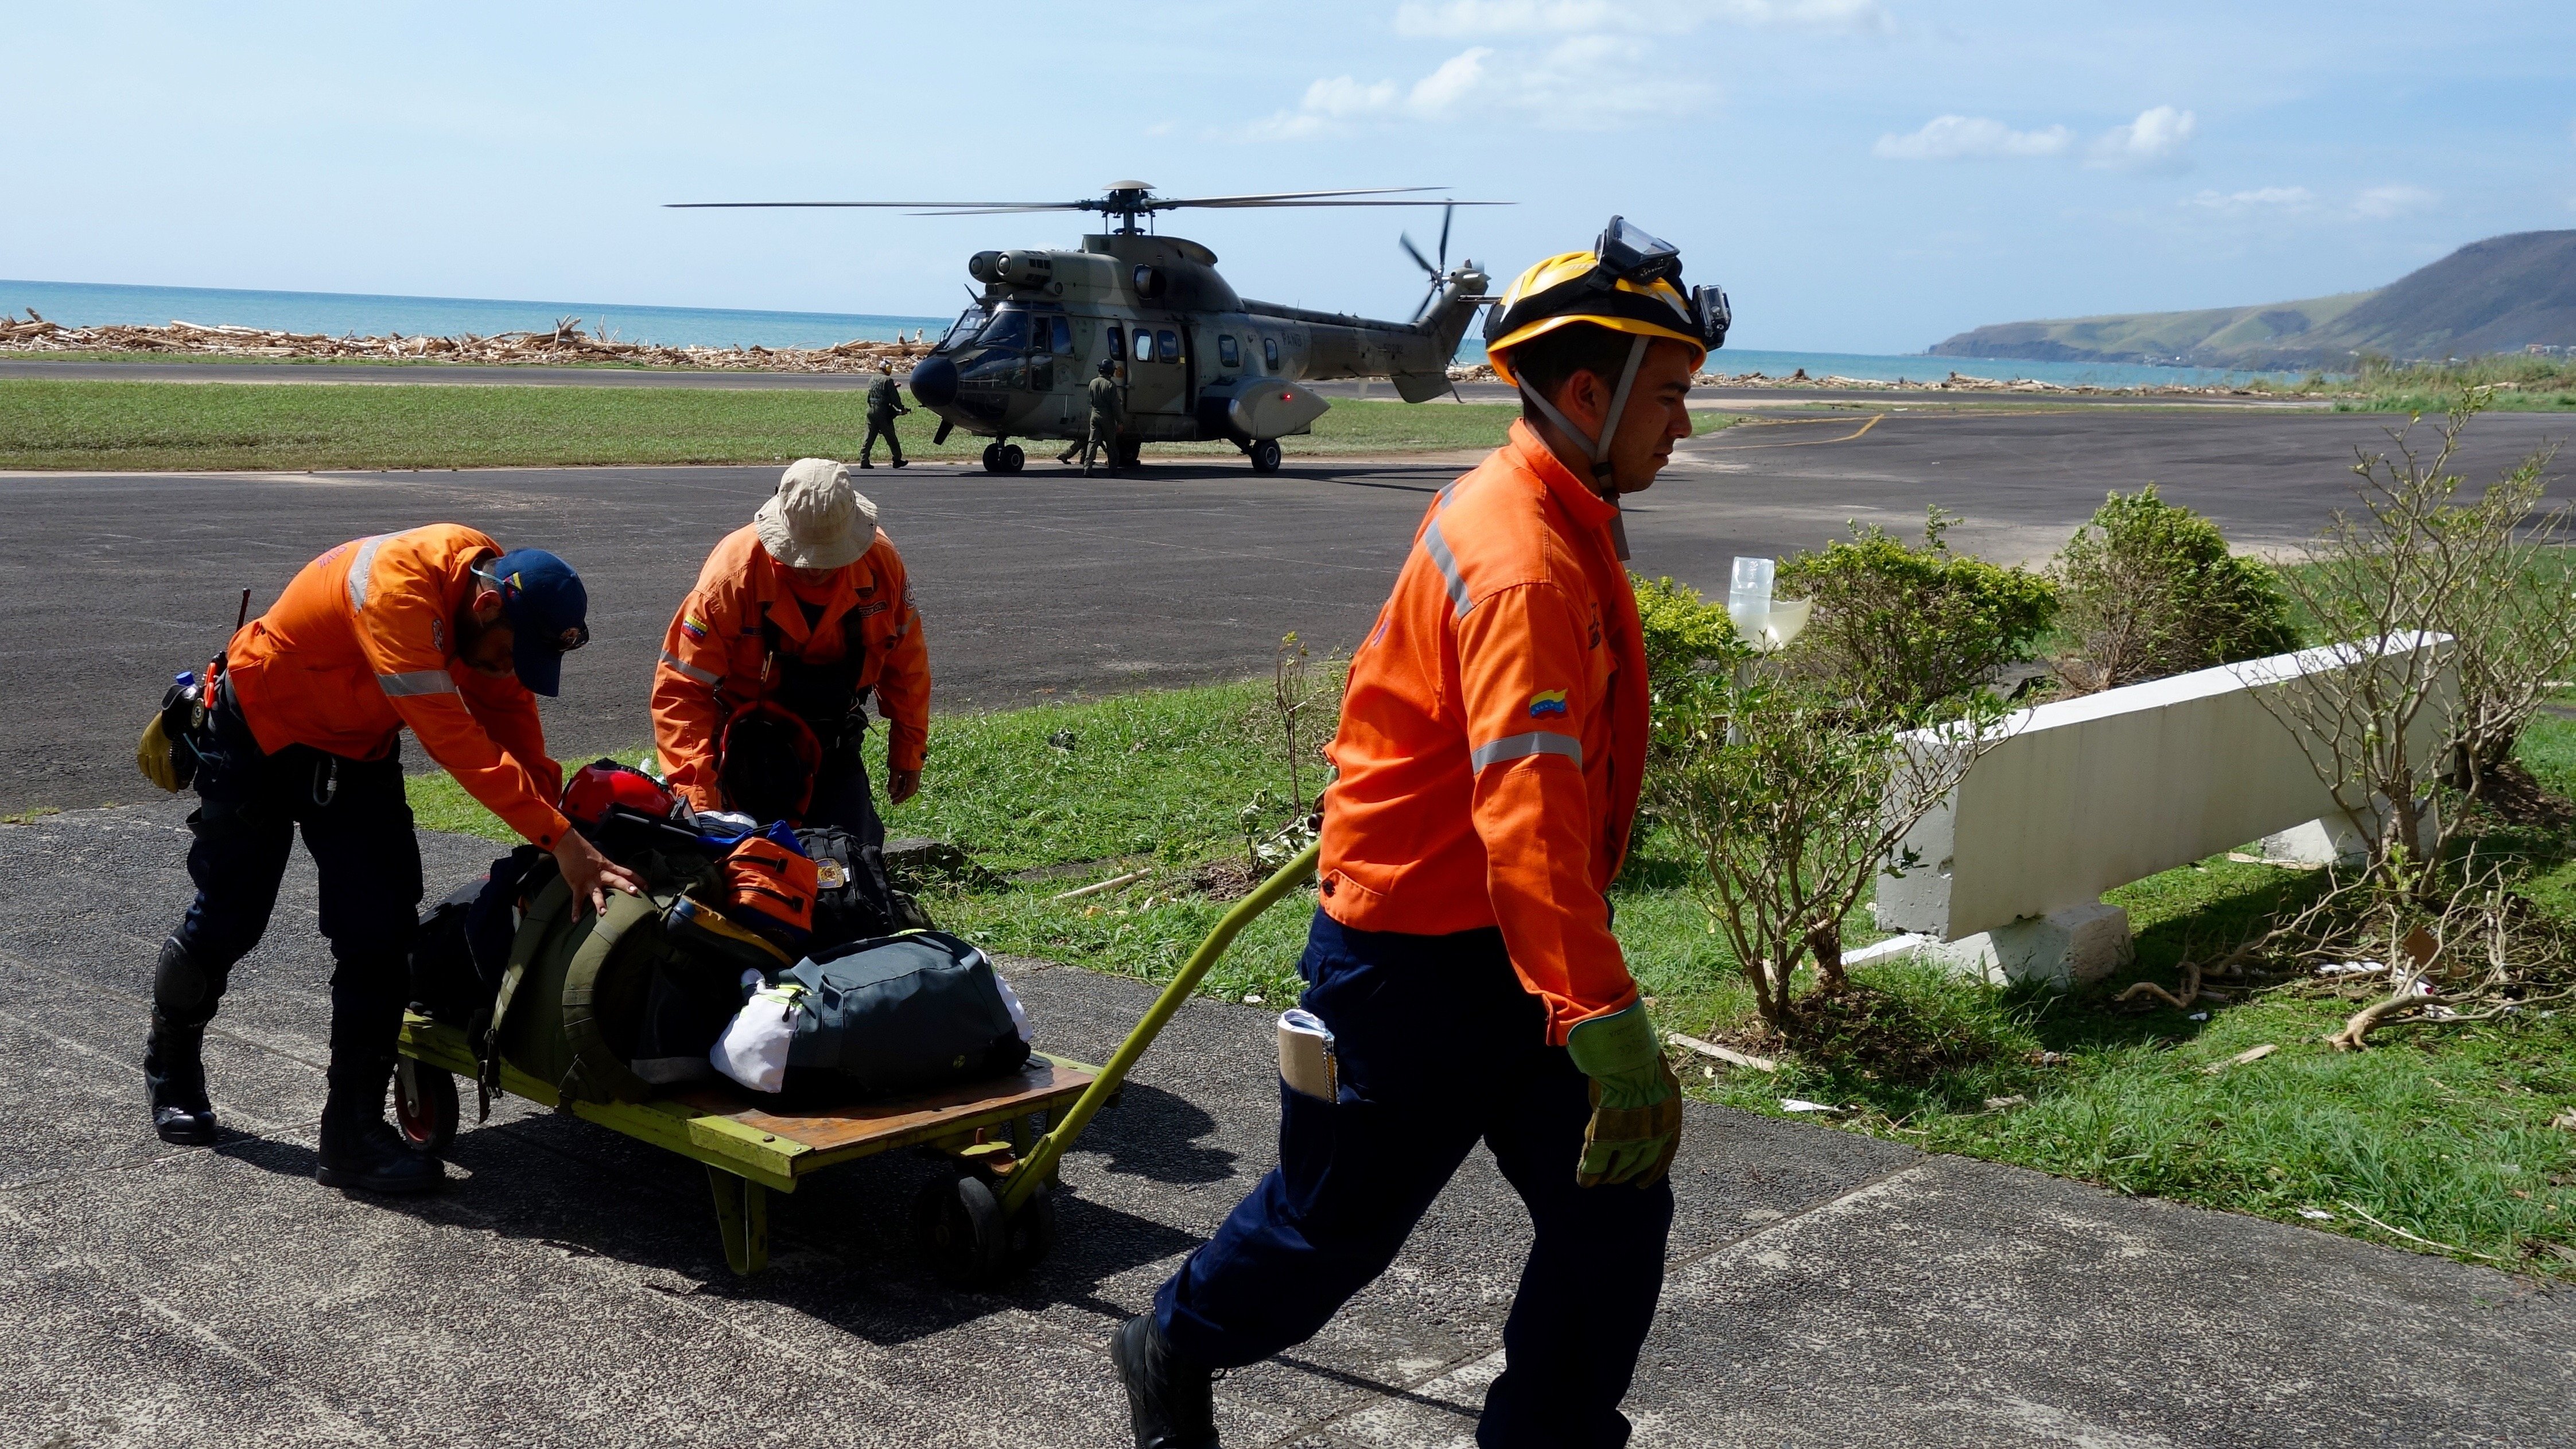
1494	732
360	645
716	658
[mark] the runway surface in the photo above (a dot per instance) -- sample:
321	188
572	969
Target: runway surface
1045	586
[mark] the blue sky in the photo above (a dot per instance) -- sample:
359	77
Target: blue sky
1863	175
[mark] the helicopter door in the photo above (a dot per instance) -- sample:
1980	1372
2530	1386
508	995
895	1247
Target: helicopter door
1157	376
1050	337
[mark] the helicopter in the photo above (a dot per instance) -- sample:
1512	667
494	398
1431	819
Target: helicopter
1193	359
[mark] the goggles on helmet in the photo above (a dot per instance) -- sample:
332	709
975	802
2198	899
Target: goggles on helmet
1650	267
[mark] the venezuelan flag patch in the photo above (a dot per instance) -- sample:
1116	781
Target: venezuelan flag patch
1547	702
693	626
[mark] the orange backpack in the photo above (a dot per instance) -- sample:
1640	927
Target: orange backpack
768	887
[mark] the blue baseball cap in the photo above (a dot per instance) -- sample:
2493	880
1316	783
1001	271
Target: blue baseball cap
547	607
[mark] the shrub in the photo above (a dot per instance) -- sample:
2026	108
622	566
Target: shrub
1899	629
2149	589
1681	630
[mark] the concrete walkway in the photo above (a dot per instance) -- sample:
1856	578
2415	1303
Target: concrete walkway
1825	1288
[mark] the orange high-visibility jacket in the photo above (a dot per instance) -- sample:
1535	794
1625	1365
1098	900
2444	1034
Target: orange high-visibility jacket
1494	733
362	643
716	658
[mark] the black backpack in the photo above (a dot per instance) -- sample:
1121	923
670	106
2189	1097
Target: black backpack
854	900
905	1013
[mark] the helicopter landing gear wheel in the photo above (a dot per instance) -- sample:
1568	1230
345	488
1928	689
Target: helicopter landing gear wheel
1131	451
1264	453
992	457
1010	458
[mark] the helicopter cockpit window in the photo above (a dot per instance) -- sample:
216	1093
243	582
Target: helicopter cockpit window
963	330
1167	346
1270	353
1144	345
1228	353
1009	328
1062	335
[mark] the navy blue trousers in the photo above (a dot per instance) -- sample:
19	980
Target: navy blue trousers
359	829
1440	1047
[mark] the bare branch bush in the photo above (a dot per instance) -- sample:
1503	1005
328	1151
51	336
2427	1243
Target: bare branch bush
1304	706
2413	557
1793	798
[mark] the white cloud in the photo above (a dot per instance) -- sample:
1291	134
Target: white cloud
1487	18
1953	138
2152	142
2284	198
2379	203
1582	82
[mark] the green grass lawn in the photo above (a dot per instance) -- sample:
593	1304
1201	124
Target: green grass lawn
149	426
2442	1134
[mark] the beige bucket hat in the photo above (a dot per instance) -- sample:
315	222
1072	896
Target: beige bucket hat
816	520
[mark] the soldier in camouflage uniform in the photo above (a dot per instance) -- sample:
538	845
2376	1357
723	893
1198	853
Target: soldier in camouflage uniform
885	404
1107	404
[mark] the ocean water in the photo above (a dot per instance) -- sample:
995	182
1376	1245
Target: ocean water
95	303
90	304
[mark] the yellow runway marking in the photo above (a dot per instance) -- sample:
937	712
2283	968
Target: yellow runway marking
1792	423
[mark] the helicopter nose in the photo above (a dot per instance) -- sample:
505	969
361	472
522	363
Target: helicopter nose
934	382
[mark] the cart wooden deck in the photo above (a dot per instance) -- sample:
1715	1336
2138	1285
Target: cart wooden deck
750	1151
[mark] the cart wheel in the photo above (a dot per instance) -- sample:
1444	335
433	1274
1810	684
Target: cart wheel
425	1106
957	1225
1265	455
1031	1235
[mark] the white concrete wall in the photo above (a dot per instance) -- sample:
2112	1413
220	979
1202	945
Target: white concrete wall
2089	794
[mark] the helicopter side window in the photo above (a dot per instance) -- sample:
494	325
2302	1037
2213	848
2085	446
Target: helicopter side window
1144	345
1270	353
1167	346
1118	342
1228	353
1063	334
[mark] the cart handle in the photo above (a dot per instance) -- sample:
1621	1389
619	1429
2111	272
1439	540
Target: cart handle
1033	1169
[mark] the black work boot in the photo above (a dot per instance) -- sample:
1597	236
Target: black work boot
360	1149
174	1079
1169	1399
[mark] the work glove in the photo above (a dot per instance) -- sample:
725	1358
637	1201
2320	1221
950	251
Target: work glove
1636	1122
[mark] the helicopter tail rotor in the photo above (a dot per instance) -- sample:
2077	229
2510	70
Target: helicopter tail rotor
1437	271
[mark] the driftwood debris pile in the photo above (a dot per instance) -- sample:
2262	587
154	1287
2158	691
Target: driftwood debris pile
1955	382
567	343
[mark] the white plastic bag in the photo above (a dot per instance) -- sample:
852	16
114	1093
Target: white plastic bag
753	1049
1019	1013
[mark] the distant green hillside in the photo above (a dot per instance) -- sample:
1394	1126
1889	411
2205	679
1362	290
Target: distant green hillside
2503	294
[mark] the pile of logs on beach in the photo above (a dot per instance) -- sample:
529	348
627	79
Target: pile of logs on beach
1955	382
567	343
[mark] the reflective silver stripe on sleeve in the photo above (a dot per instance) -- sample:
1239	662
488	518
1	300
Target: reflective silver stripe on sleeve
1521	747
691	670
419	681
361	566
1438	547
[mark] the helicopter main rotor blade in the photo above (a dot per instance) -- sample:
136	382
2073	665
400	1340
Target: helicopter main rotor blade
999	205
1260	198
1425	201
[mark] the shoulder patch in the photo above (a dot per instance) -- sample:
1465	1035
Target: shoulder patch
1547	702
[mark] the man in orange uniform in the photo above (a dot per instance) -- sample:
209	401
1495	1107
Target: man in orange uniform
795	621
435	629
1491	743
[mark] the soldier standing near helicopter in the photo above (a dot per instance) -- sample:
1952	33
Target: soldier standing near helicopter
885	404
1107	404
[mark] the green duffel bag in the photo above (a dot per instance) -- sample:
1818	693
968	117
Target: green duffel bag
612	1007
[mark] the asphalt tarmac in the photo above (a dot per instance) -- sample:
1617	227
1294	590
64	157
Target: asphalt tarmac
1046	586
1822	1288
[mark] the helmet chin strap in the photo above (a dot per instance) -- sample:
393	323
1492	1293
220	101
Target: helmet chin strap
1599	447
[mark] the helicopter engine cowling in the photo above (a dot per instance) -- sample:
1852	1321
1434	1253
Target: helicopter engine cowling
985	266
934	381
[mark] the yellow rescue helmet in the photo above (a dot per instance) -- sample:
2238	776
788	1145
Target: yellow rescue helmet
1629	282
